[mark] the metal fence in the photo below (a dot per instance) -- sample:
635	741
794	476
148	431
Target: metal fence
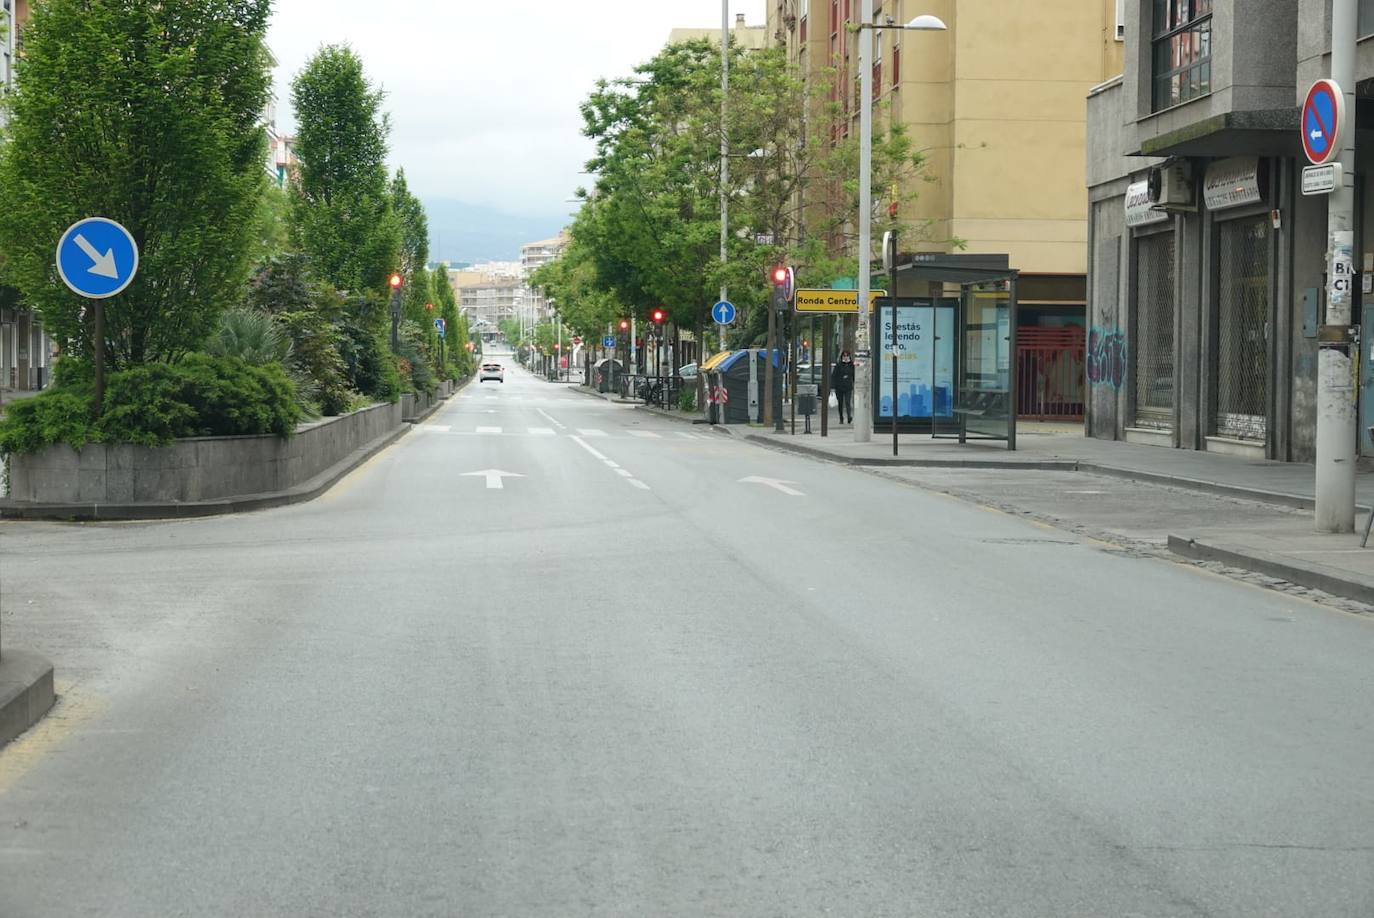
1240	372
1049	373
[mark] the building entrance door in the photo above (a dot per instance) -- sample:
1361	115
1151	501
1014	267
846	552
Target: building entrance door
1240	372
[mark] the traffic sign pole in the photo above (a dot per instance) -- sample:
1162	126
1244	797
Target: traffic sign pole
97	258
1336	394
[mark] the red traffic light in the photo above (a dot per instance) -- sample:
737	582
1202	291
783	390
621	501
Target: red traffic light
778	275
429	306
395	281
624	324
558	347
658	316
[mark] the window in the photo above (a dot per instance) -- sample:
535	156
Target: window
1120	20
1365	26
896	67
801	34
1182	51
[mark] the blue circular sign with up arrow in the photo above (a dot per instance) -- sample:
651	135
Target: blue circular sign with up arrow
723	312
97	258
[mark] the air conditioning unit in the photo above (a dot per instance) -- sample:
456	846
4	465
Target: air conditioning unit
1171	187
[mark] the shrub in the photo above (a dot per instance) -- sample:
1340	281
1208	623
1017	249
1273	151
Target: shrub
156	403
687	399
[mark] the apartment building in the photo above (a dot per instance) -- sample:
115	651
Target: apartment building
744	35
1205	306
26	351
996	103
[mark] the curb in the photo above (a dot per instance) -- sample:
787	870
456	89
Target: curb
20	510
1041	465
1278	498
26	692
1312	577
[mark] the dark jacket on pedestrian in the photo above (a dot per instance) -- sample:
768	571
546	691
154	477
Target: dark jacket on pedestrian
842	376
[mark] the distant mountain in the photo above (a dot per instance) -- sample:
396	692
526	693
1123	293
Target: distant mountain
461	232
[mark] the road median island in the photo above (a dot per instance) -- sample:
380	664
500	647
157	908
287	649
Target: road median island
26	691
198	476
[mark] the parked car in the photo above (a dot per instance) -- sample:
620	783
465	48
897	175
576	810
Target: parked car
492	371
688	371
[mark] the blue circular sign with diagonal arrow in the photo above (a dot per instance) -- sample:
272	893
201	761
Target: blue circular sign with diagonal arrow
723	312
97	258
1323	121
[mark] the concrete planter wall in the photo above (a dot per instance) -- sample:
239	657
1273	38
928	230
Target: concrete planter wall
415	404
195	469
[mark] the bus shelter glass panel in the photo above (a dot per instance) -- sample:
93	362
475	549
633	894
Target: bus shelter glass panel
925	360
985	401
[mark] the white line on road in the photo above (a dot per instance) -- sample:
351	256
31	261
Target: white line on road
624	473
591	449
591	433
542	431
551	419
437	428
488	430
646	434
493	477
775	483
610	463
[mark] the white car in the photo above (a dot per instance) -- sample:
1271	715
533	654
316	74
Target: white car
491	371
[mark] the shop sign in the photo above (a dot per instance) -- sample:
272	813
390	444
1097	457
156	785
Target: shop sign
1139	210
1232	183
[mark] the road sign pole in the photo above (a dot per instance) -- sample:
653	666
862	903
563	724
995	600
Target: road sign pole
99	347
1336	424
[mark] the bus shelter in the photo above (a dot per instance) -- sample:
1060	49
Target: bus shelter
949	339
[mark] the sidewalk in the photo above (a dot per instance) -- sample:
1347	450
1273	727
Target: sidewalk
1260	520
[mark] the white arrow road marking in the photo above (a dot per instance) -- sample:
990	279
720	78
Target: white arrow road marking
104	264
775	483
493	477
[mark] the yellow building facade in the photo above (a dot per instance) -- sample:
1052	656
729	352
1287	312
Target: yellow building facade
997	103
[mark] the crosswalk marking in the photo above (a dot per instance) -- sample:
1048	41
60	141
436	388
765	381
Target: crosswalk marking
646	434
488	430
542	431
438	428
591	433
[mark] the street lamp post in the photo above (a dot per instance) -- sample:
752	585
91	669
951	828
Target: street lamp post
863	363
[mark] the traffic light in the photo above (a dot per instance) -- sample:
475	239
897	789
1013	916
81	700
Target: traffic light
429	307
778	275
395	281
658	316
624	324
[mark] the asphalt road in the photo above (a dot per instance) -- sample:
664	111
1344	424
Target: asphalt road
628	682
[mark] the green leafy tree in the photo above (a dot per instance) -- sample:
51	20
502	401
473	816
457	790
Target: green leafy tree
147	113
341	210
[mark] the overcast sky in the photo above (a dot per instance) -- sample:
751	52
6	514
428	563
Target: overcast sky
484	96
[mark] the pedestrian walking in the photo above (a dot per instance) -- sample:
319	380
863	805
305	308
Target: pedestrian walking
842	384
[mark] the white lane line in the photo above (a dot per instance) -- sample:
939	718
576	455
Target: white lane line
542	431
624	473
609	463
437	428
646	434
591	449
687	436
591	433
551	419
488	430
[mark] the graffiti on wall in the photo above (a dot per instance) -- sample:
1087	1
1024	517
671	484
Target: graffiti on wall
1107	357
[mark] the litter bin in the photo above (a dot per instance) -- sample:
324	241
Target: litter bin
608	372
807	397
734	372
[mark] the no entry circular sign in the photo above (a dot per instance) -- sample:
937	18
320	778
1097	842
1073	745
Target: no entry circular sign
1323	120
